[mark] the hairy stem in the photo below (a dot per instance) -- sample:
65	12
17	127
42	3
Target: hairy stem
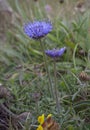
50	88
55	87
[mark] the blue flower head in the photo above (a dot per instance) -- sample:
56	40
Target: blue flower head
55	52
37	29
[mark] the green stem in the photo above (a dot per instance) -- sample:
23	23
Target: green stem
55	87
74	62
50	88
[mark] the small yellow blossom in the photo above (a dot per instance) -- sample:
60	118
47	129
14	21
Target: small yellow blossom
41	119
49	115
40	127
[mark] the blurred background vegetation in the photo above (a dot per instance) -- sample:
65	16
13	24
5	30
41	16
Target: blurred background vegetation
23	80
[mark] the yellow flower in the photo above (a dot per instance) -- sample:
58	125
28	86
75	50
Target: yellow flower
40	127
41	119
49	115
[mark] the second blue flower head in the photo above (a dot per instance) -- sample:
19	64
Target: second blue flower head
54	53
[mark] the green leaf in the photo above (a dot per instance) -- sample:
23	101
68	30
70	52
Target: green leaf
82	103
70	44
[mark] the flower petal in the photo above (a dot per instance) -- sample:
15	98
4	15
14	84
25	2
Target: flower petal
40	127
41	119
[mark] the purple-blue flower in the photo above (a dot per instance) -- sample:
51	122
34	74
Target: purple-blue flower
37	29
55	52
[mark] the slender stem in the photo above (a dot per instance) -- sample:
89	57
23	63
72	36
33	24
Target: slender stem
74	61
50	88
56	92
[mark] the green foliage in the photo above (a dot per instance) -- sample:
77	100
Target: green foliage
22	69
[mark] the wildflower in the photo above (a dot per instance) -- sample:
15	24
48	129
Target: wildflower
48	8
48	123
55	52
37	29
40	127
41	119
49	115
